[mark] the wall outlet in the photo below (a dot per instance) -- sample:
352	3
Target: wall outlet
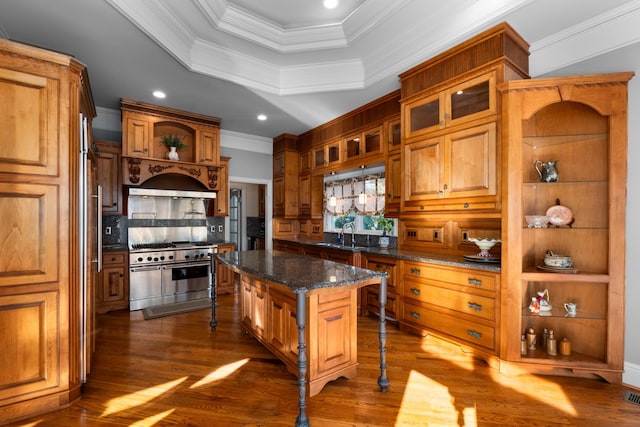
212	229
107	230
220	228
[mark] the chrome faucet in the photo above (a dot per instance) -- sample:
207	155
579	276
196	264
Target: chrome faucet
352	226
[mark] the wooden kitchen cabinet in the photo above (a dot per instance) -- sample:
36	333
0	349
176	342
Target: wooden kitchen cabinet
327	157
225	283
112	287
455	171
470	100
393	134
254	307
221	202
45	313
269	313
285	177
370	294
362	145
393	185
144	125
461	305
109	176
582	123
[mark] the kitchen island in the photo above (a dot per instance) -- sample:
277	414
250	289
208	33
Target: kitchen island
304	310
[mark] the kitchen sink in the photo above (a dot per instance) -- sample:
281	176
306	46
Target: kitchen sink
340	246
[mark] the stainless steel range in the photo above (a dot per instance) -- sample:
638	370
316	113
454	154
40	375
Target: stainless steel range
169	257
165	273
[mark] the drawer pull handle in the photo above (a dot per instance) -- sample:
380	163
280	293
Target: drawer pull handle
414	314
474	334
415	291
474	282
474	306
415	271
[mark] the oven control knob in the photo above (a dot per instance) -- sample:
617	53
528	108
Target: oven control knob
170	256
186	256
162	258
140	259
149	258
155	259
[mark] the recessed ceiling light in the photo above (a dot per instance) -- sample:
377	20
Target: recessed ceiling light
159	94
262	117
330	4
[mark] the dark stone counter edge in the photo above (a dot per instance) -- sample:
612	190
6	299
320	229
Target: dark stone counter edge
428	257
298	283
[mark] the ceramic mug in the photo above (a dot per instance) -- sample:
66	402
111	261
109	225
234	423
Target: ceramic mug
571	308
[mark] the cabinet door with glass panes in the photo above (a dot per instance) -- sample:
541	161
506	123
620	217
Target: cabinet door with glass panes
578	124
470	100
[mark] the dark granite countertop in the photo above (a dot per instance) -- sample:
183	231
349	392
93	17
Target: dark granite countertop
430	257
298	272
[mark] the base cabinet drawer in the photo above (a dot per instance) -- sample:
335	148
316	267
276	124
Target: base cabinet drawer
467	278
470	332
464	302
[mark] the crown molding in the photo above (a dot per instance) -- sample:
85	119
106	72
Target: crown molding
607	32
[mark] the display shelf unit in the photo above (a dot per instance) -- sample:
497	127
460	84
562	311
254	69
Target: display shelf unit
580	122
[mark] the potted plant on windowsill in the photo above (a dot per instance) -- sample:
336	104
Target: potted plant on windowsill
387	227
174	142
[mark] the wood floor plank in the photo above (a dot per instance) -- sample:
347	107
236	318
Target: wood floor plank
176	371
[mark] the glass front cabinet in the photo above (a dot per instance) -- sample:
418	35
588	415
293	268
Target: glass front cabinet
578	125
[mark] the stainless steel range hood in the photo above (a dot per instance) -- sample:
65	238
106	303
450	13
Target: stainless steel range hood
175	194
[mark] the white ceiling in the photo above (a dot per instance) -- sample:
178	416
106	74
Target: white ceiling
292	60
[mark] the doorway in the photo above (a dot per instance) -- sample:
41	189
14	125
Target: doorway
236	218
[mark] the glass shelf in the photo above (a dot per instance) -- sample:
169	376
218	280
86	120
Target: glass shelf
560	312
542	141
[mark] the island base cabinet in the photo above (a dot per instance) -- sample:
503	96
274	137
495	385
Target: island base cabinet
269	314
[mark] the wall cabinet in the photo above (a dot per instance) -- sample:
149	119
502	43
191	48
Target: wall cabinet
582	123
285	177
470	100
393	185
458	304
362	145
144	125
221	202
112	287
109	176
393	134
327	156
457	166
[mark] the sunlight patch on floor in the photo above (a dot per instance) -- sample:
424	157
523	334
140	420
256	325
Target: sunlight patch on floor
461	360
537	385
152	420
131	400
220	373
429	400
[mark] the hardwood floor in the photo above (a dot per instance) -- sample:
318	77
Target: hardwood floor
176	371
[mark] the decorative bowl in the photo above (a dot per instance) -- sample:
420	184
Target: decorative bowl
557	261
537	221
484	245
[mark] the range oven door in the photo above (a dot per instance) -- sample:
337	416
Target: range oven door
192	277
145	287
